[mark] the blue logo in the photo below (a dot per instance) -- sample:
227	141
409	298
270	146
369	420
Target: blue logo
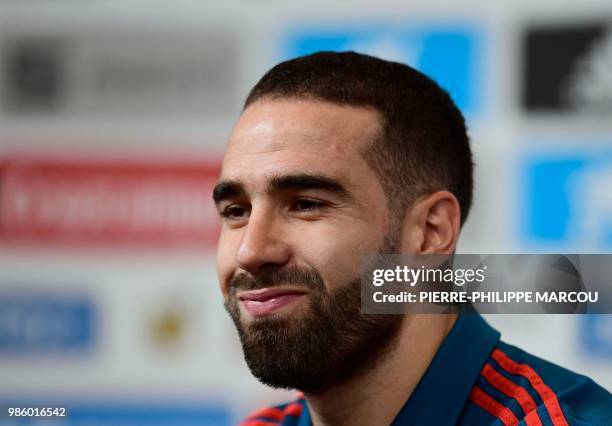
134	415
43	323
452	55
567	198
596	335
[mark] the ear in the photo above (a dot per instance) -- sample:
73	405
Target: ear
431	225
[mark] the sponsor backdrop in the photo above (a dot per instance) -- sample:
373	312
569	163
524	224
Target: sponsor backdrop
113	119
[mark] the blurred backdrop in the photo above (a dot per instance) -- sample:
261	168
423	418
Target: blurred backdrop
113	119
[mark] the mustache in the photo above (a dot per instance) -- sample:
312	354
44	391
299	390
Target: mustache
278	277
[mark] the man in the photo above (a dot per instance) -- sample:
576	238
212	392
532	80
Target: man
341	155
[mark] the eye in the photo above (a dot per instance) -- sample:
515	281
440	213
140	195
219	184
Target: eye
234	212
306	205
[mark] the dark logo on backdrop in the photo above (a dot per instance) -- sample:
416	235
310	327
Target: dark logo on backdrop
567	68
34	75
119	72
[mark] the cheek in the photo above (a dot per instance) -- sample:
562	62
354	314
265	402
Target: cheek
337	253
226	255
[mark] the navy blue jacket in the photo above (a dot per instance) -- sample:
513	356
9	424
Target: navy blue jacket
475	379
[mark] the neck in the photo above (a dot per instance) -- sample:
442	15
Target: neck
376	396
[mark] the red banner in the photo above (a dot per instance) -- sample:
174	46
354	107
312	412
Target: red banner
105	202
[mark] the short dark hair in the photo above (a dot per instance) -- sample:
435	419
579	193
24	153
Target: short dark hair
423	146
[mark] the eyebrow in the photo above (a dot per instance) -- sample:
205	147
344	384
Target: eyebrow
229	189
305	182
297	182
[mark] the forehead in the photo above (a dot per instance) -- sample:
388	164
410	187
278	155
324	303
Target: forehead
286	136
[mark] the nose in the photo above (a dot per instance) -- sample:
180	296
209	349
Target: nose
262	244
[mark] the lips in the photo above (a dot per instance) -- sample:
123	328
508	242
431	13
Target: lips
268	301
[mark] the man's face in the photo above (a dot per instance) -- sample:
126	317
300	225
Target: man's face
300	209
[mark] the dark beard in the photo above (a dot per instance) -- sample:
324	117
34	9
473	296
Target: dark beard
329	344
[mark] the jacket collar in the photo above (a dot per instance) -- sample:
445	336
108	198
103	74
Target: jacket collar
445	387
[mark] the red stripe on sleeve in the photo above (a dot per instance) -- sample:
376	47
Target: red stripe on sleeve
270	412
293	409
258	423
511	389
548	396
532	417
494	408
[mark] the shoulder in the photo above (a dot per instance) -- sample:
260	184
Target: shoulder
282	414
515	386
